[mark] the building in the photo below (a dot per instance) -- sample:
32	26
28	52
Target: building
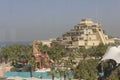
86	33
44	42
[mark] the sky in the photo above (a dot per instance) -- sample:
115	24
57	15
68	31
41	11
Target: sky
27	20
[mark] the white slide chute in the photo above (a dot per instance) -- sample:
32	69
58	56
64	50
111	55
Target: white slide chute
112	53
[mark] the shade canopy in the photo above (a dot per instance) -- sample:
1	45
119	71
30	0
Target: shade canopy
112	53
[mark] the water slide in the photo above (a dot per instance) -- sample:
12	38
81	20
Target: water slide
101	35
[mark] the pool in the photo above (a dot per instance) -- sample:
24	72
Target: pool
43	75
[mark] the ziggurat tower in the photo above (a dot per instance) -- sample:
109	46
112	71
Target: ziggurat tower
86	33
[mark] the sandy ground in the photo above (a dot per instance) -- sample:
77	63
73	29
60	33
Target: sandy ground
3	68
20	78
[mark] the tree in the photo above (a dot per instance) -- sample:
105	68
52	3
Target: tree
82	52
92	51
6	53
32	66
68	66
52	71
100	50
86	69
60	72
56	52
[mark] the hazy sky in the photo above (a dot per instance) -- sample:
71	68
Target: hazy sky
22	20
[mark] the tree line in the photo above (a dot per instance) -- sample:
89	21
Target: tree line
86	68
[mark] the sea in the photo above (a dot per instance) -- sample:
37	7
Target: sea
5	43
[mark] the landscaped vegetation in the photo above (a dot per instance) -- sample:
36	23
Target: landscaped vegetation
85	69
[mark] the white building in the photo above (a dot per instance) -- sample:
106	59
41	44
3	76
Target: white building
86	33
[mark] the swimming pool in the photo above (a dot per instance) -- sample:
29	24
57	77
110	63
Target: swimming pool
43	75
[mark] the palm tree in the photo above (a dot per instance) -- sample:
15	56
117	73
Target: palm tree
67	67
60	72
6	53
32	66
56	52
1	56
92	51
82	52
52	71
86	70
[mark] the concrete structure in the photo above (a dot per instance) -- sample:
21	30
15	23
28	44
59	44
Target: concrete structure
86	33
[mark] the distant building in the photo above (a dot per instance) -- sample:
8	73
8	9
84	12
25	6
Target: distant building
86	33
44	42
117	41
36	43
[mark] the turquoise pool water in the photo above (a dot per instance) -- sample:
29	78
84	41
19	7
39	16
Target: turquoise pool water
44	75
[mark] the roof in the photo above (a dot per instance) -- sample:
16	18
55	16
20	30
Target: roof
112	53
